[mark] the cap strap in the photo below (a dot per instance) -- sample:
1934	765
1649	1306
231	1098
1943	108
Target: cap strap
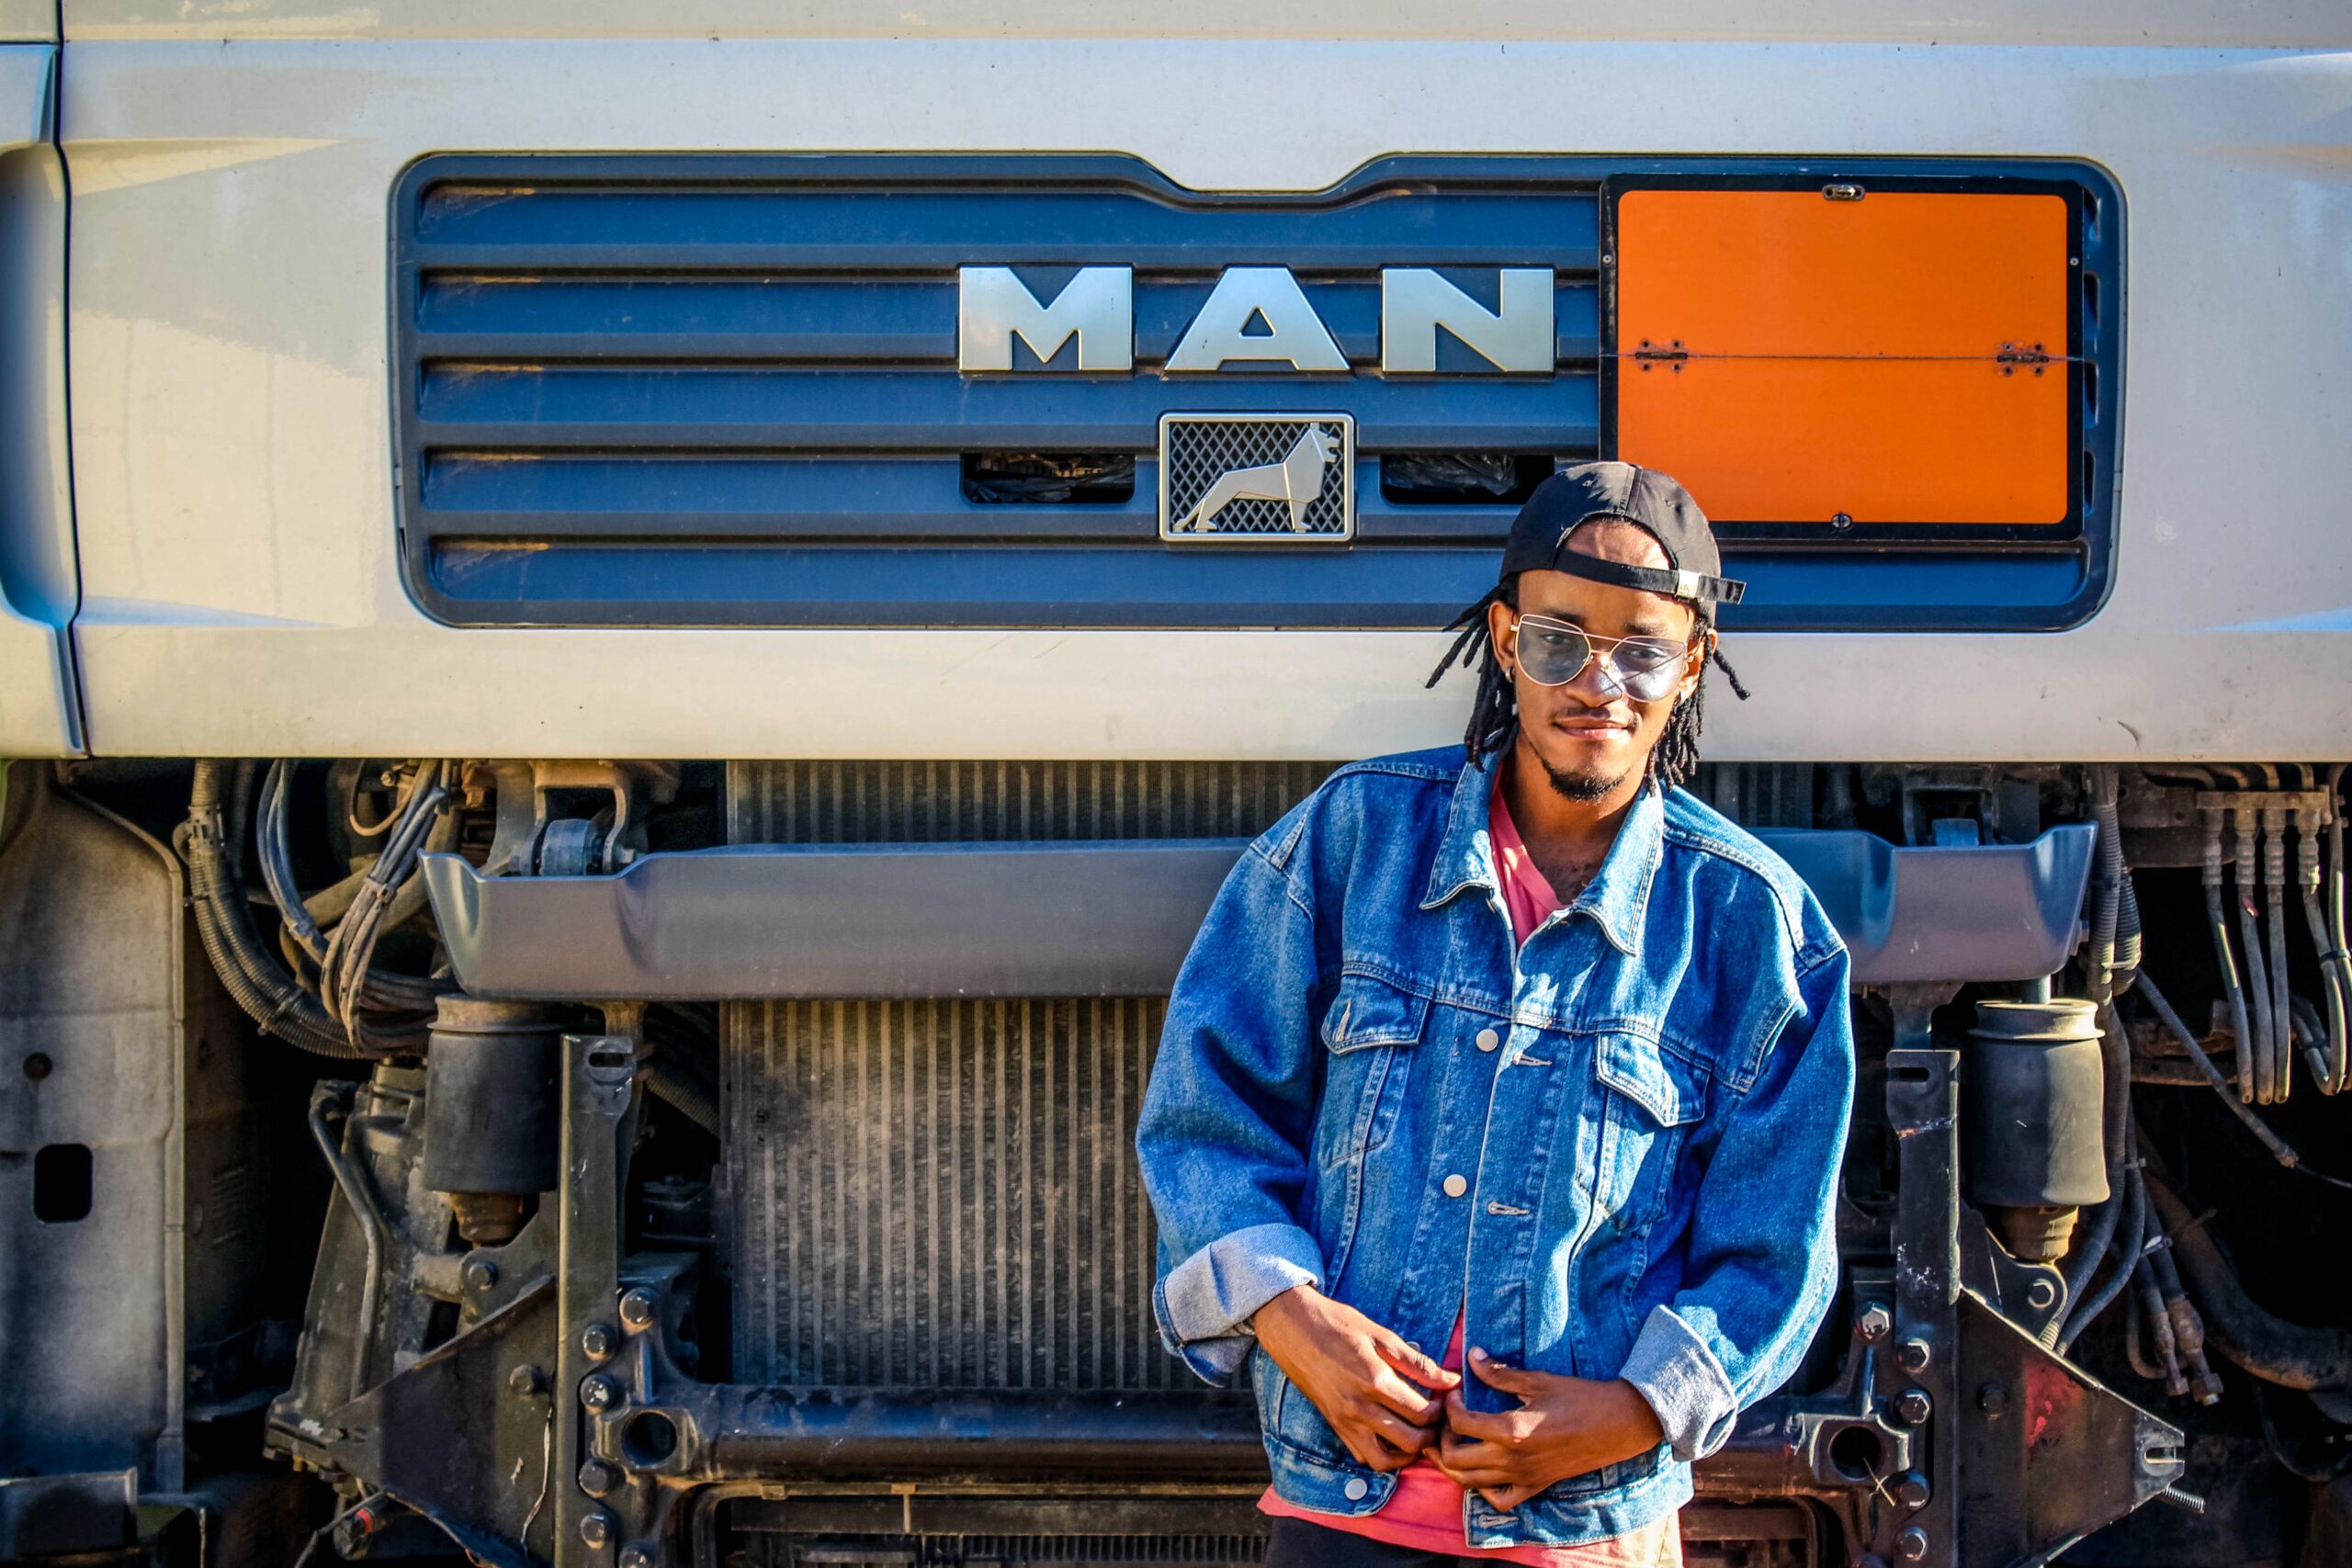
1674	583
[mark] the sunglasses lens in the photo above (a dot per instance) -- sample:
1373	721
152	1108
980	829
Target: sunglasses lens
1649	669
1652	685
1552	654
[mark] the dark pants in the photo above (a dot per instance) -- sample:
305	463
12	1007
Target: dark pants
1300	1543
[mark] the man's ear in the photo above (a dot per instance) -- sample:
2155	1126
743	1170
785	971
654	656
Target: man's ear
1698	669
1502	631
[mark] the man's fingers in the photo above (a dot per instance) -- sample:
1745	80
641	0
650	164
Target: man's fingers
1421	1409
1412	1363
1372	1450
1511	1379
1460	1417
1391	1428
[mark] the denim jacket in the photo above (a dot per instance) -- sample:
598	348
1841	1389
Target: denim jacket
1615	1149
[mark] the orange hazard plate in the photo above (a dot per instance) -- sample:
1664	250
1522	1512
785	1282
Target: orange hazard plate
1901	359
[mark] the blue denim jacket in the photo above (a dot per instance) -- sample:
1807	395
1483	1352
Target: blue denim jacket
1615	1148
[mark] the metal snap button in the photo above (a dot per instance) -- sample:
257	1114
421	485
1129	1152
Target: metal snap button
1489	1040
1357	1486
1455	1186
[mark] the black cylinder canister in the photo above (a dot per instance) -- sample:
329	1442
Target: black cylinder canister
2033	1111
493	1117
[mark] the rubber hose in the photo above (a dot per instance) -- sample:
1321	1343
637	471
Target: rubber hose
2327	1054
386	991
2114	1079
2130	1238
2335	912
2127	933
225	927
2257	990
2268	1345
2281	1006
2147	1301
2280	1150
2243	887
2218	923
2101	976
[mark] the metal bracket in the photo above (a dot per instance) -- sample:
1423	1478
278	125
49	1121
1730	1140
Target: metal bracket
599	1074
1923	1108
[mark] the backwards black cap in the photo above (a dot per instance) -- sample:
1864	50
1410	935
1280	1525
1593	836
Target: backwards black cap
1539	537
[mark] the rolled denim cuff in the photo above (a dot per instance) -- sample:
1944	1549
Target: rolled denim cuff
1674	1370
1205	1303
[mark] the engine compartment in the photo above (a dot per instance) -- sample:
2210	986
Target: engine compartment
799	1253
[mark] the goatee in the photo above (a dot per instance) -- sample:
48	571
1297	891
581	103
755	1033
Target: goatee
1580	786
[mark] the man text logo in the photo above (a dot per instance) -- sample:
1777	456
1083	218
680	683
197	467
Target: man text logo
1255	314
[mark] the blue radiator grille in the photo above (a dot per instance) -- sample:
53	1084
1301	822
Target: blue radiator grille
723	390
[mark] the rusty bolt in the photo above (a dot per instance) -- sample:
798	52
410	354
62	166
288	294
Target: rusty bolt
598	1477
636	1556
1875	1321
1912	1544
1912	1407
478	1273
1913	1490
526	1380
598	1340
1992	1399
596	1528
1912	1355
636	1309
598	1392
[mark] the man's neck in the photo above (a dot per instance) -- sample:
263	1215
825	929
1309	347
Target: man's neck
1568	838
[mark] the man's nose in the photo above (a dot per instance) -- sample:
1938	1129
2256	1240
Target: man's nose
1597	683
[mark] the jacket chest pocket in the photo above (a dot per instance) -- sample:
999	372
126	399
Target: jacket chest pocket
1649	1101
1368	1032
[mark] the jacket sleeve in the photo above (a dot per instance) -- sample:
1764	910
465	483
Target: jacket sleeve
1759	1274
1228	1118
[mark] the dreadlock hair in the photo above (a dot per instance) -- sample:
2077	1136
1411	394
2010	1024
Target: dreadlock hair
1494	712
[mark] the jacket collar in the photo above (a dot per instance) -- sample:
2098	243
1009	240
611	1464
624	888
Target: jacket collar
1617	897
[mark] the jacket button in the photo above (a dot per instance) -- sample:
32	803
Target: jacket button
1455	1186
1357	1486
1489	1040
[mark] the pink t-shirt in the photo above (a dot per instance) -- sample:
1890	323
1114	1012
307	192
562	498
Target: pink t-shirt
1425	1511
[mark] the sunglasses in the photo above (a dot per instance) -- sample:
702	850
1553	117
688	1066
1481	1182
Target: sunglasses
1645	668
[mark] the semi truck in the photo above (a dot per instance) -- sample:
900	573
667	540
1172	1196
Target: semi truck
632	638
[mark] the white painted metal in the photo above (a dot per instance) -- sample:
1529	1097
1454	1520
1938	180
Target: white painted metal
228	340
38	716
28	21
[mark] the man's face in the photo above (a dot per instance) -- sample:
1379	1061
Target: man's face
1588	734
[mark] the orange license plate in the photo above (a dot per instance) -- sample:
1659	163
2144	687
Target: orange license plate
1897	359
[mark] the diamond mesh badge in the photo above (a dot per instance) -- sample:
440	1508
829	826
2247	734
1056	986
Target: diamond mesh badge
1272	477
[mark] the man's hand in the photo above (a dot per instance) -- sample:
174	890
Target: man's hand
1563	1426
1358	1375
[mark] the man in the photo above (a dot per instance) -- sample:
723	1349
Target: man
1514	1047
